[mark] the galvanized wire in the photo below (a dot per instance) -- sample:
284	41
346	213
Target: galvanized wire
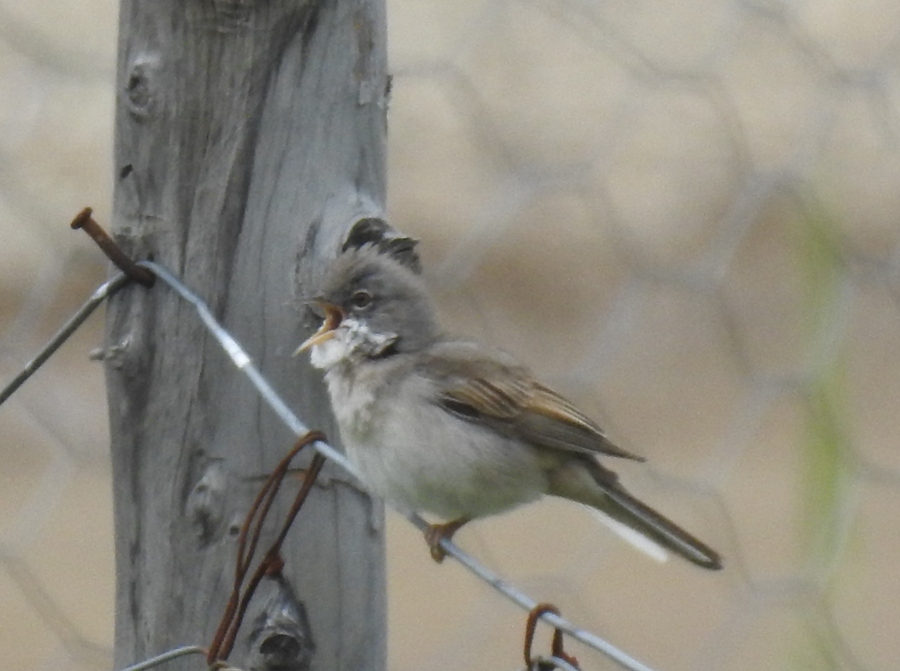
244	363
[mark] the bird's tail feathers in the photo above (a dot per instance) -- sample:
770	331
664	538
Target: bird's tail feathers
635	538
629	511
588	482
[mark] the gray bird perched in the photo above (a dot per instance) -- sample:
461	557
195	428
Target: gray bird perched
451	427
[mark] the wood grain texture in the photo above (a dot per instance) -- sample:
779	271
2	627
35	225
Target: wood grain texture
249	137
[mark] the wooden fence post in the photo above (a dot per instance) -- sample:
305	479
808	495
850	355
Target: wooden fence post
249	137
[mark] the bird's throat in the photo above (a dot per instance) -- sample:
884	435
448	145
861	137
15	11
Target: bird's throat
353	341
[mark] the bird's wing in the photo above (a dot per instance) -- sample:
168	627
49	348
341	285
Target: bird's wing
481	385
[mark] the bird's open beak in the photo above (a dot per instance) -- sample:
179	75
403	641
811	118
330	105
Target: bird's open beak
333	317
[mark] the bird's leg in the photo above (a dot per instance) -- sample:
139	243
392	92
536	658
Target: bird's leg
435	533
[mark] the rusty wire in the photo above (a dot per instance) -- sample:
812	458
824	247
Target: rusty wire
271	563
559	658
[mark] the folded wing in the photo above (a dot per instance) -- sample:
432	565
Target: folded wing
482	385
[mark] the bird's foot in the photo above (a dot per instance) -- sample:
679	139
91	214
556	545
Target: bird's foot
435	533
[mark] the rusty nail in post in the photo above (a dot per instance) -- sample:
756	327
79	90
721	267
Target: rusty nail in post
114	253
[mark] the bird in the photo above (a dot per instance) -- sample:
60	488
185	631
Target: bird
450	427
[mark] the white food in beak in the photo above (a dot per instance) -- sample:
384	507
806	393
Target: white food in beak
352	336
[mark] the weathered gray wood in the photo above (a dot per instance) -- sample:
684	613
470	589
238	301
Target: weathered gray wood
249	137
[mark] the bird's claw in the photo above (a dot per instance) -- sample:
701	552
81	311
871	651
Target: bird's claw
433	537
435	533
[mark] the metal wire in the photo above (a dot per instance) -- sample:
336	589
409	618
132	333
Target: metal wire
103	292
166	657
244	363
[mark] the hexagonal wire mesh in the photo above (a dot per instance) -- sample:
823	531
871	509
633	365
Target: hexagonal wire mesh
681	214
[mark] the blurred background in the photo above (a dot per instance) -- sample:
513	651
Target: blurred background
682	215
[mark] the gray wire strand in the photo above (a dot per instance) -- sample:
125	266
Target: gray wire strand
166	657
103	292
245	364
242	361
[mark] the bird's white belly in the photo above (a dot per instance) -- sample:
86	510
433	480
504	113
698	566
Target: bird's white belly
436	463
419	457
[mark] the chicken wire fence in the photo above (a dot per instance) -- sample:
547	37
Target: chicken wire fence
681	216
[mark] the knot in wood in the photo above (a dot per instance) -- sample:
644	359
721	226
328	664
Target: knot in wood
206	502
281	639
141	85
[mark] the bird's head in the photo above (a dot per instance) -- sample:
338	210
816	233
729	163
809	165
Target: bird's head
372	306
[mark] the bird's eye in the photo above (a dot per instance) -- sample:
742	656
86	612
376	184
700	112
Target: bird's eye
361	299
